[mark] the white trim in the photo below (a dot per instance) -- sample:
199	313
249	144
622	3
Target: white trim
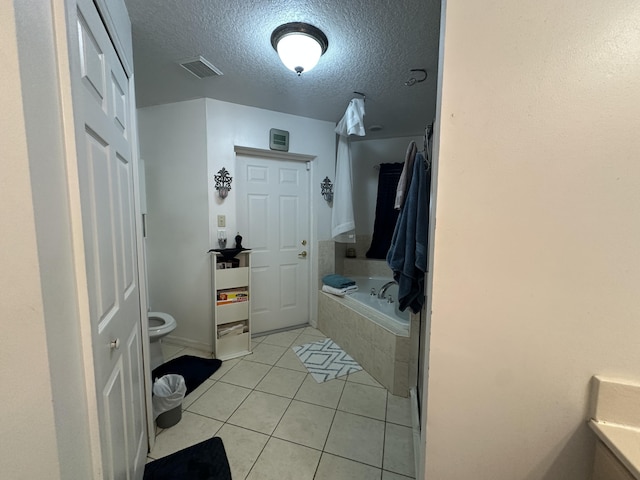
188	343
65	24
116	21
275	154
141	264
424	395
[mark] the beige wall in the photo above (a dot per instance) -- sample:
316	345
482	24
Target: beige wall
28	425
537	247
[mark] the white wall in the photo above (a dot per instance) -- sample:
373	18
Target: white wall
537	245
365	156
230	125
173	145
183	146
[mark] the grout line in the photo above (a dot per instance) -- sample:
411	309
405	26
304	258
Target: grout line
384	438
290	402
274	429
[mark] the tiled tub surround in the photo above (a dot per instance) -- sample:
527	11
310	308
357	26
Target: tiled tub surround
365	267
615	419
380	351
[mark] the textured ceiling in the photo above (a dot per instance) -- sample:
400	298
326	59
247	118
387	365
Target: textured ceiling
373	45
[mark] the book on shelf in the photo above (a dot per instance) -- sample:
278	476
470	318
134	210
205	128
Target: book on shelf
224	297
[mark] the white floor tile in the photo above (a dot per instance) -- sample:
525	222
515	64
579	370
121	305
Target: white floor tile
394	476
313	331
260	412
335	468
265	353
304	339
357	438
281	381
193	396
246	374
364	378
326	394
281	460
220	401
399	410
243	448
291	360
398	450
364	400
191	429
357	443
224	368
305	424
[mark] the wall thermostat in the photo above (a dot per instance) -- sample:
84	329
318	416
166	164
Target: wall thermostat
279	140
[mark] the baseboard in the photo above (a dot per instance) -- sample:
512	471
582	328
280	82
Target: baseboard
415	424
279	330
186	342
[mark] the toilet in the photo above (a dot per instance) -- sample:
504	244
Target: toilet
160	325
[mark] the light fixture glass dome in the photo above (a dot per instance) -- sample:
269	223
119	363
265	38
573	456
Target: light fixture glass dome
299	45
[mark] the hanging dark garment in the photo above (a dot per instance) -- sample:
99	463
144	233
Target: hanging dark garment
408	254
386	215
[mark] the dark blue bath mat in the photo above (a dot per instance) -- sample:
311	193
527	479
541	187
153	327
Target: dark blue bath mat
203	461
195	370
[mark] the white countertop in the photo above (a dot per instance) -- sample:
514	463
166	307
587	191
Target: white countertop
623	441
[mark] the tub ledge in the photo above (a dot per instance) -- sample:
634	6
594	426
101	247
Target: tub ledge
615	419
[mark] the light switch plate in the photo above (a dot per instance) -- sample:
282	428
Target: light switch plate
222	222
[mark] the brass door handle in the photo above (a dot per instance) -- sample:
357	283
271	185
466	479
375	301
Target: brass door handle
303	254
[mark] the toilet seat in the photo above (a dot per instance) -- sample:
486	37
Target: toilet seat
163	324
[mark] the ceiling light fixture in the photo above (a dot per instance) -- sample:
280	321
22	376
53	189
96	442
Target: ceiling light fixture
299	45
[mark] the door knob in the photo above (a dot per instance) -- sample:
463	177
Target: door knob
115	344
303	242
303	254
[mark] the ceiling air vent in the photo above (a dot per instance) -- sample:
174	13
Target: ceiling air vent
200	67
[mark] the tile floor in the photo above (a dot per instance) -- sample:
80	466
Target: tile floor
277	423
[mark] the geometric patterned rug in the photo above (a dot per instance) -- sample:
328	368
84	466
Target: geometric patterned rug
325	360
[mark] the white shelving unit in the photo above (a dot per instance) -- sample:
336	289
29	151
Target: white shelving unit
231	305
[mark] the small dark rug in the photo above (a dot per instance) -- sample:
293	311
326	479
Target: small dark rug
195	370
203	461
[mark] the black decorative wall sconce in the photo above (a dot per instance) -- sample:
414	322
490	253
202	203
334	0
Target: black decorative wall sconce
223	182
327	189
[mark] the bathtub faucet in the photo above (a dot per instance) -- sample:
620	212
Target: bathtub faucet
385	287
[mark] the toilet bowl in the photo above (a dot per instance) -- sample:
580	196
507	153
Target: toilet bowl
160	325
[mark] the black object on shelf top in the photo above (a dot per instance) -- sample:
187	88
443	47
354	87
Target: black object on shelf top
228	253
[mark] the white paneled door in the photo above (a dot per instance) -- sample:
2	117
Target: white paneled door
105	170
273	218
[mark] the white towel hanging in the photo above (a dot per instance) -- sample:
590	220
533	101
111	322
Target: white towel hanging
342	218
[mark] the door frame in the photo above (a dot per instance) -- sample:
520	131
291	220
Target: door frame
313	249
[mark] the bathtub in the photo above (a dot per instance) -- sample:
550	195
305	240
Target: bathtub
371	331
386	314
